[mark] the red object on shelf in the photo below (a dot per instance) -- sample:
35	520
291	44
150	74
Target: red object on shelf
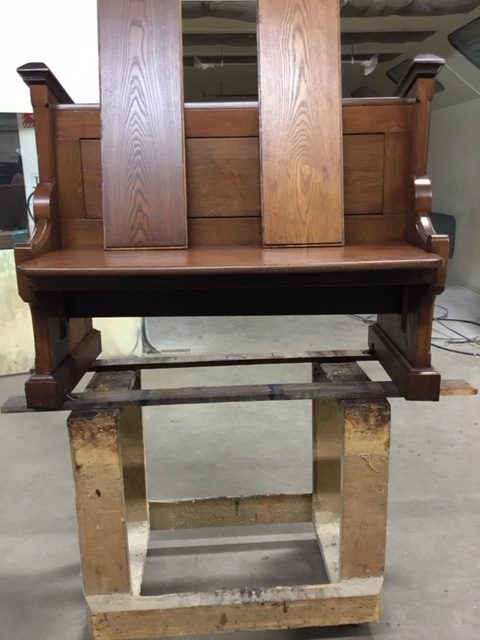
27	120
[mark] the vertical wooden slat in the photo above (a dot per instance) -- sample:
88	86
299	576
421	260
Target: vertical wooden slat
300	122
143	152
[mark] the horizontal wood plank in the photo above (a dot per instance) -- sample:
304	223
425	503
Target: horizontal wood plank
377	119
213	120
247	393
228	512
176	361
130	618
86	401
457	388
229	260
225	231
216	121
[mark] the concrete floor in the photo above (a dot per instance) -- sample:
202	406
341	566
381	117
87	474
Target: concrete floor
433	556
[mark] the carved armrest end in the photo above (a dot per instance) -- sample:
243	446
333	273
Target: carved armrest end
37	73
423	66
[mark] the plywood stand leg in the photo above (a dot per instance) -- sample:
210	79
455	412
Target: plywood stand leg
351	441
95	442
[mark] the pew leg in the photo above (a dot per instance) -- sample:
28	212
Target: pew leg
402	344
64	350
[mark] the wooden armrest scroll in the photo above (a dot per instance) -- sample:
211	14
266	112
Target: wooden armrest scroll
423	66
45	236
425	235
35	73
45	91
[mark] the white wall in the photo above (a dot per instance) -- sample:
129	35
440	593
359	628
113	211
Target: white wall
63	35
60	33
16	342
454	168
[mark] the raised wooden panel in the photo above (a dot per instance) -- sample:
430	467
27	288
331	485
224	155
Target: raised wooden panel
223	177
301	122
371	130
69	178
81	233
372	229
224	231
92	177
397	185
144	196
363	157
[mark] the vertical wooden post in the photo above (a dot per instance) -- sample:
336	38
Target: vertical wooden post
133	460
327	460
98	474
350	477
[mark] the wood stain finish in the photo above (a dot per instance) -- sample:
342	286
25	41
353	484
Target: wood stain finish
300	122
144	196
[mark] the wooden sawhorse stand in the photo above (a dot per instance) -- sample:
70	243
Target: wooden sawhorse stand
348	507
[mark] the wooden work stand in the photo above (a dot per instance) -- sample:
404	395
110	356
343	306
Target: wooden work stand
351	436
347	505
350	481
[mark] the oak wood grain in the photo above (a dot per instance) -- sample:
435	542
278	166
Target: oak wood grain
363	156
301	122
71	196
92	177
141	85
223	177
217	121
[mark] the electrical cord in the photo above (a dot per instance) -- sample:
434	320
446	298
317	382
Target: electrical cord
441	320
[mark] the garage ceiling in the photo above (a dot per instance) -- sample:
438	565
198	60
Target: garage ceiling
392	29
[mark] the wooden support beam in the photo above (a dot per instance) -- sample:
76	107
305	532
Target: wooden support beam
220	360
244	393
211	395
228	512
133	618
